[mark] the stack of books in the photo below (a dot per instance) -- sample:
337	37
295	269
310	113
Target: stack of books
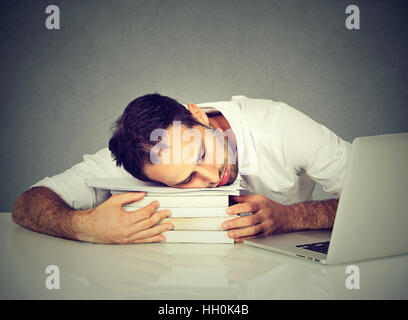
196	214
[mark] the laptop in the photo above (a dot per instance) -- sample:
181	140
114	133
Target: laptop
372	214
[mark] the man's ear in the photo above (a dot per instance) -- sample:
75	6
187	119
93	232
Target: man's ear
198	114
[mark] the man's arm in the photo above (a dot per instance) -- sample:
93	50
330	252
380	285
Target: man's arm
270	217
42	210
313	214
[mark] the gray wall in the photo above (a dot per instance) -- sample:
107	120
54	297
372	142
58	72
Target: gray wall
62	89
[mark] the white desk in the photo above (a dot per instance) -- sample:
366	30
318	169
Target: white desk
180	271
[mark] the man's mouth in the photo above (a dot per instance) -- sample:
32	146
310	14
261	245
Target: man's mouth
224	178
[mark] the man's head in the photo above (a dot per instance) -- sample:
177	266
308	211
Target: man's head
190	155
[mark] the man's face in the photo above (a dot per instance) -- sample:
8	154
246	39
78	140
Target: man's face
198	157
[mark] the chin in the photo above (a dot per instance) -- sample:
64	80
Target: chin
233	175
231	181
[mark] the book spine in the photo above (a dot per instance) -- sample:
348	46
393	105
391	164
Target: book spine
202	224
197	237
184	202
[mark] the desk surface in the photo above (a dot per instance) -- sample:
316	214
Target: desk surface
180	271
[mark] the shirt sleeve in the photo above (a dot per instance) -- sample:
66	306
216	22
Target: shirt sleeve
311	148
71	187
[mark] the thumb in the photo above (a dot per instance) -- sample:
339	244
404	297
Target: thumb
128	197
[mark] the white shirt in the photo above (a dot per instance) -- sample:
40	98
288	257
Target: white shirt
282	153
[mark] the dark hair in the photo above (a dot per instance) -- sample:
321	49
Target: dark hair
130	143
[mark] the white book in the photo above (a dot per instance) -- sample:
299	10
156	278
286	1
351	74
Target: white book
183	202
203	224
198	236
189	212
130	184
214	192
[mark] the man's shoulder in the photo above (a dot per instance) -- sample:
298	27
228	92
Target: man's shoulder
262	113
103	154
246	103
103	160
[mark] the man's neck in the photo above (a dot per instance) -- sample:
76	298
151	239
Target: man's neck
219	122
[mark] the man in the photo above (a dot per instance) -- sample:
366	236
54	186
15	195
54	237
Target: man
278	152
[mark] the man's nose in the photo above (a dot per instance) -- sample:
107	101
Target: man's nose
209	173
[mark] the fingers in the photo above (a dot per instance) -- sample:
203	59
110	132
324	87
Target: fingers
143	213
156	238
151	233
153	220
246	232
241	222
128	197
243	208
240	240
146	228
244	227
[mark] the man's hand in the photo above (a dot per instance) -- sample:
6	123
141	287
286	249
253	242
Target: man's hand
271	217
109	223
268	217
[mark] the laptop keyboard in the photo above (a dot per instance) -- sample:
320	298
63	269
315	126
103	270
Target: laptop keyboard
321	247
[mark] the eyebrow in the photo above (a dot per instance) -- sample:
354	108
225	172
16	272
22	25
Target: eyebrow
191	174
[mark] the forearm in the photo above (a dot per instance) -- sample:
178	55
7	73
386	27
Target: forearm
40	209
312	215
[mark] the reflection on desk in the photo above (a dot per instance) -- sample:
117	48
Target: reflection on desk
180	271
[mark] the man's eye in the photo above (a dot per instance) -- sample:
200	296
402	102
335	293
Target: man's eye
188	180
